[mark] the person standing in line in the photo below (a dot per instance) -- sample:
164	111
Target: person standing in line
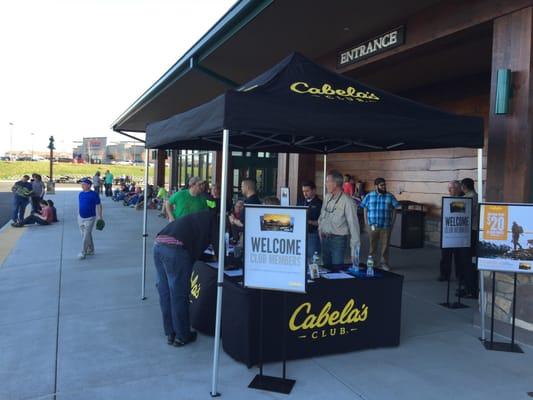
470	290
338	222
37	193
314	205
90	209
108	183
448	255
348	187
249	191
97	182
177	246
21	196
187	201
379	212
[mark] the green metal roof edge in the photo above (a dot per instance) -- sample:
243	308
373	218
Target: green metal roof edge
234	20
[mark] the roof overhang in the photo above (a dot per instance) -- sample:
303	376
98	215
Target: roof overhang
251	37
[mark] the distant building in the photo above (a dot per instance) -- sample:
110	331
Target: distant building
96	150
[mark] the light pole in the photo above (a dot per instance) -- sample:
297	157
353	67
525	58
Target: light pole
32	135
11	126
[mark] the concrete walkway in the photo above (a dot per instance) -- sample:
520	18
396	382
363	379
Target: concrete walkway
77	329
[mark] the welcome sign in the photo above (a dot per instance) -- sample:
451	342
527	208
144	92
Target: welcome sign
456	224
275	248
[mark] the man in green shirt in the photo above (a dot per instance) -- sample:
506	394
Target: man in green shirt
108	183
187	201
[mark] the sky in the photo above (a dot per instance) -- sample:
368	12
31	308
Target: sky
70	68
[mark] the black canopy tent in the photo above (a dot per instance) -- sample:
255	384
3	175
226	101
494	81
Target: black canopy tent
300	107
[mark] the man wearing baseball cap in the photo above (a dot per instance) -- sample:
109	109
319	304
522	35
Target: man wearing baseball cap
90	208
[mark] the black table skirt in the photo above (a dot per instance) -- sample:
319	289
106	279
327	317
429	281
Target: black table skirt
371	317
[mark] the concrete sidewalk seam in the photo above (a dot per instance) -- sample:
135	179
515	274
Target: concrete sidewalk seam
346	385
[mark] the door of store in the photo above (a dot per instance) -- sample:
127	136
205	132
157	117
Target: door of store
261	166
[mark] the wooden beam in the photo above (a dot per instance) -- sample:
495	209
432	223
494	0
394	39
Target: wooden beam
510	145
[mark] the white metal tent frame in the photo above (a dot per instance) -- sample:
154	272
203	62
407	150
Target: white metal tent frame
225	142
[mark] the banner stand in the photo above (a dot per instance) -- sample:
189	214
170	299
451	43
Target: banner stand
502	346
457	304
266	382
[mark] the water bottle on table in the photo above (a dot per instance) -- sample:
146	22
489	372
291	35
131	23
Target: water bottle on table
370	266
355	259
315	258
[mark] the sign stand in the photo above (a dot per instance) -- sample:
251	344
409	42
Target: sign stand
502	346
455	237
266	382
457	304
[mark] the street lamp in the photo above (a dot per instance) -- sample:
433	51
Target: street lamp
32	135
11	126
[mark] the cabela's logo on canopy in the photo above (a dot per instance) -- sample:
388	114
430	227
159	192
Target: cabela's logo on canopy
326	90
327	323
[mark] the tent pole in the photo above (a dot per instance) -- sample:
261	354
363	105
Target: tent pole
324	181
481	276
221	255
145	215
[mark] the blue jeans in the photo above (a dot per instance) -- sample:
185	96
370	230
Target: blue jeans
174	268
33	219
333	248
19	207
313	244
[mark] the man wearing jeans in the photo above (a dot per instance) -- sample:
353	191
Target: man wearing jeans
337	223
89	209
176	248
380	210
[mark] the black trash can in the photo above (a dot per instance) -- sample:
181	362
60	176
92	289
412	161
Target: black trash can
408	229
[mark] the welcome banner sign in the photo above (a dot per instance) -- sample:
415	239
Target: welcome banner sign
275	248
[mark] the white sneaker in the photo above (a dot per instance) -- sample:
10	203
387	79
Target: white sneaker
385	267
81	256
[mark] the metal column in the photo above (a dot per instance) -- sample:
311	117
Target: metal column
221	255
145	215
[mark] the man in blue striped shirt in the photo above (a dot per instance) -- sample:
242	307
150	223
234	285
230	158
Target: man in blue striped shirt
380	210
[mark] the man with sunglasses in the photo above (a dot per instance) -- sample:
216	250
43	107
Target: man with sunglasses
337	223
380	210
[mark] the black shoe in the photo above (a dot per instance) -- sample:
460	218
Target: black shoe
180	342
171	338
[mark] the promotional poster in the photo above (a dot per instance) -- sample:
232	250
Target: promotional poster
505	237
456	224
275	248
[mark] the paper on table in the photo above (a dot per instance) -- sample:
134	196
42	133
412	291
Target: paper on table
337	275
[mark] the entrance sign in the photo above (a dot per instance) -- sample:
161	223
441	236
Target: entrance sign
379	44
505	237
456	223
275	248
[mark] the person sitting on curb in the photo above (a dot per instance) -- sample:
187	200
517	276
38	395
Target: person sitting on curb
45	218
54	211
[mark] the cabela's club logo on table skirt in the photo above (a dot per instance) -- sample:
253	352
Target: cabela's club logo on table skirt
195	286
326	90
309	325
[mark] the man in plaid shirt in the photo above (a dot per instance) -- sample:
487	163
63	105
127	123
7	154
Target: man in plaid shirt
380	210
